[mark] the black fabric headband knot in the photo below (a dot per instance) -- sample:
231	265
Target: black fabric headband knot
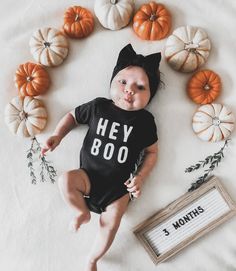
128	57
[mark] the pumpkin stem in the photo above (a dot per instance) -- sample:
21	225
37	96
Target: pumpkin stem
216	121
77	17
207	87
190	46
113	2
153	17
46	44
23	115
29	78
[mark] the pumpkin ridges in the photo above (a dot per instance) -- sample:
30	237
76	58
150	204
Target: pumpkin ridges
124	5
154	6
37	70
41	35
197	85
19	119
186	58
146	9
157	27
142	16
28	89
86	27
187	38
25	77
169	57
32	68
78	22
160	25
119	14
147	26
24	70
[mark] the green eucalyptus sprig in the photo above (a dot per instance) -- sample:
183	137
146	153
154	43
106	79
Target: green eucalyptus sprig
45	165
139	163
30	153
213	160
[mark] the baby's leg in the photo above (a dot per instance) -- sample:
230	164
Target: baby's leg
73	185
108	226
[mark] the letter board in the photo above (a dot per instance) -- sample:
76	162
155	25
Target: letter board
185	220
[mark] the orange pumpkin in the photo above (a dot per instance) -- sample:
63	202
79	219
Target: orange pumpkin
31	79
152	21
204	87
78	22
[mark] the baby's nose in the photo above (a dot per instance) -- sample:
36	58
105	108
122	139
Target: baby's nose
129	91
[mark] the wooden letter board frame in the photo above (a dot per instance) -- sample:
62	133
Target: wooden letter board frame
176	206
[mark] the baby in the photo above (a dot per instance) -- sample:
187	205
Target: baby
119	130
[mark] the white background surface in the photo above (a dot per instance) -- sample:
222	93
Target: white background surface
34	219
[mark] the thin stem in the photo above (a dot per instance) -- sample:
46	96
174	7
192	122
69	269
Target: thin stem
214	161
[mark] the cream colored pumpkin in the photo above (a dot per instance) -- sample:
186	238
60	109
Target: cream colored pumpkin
213	122
114	14
187	48
49	46
25	116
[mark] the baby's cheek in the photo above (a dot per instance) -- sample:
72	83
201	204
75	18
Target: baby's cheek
114	93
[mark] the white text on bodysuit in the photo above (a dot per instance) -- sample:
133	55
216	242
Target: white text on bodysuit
110	147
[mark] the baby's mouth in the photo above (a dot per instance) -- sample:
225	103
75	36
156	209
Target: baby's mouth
128	99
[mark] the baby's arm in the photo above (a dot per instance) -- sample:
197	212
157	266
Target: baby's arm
150	158
65	125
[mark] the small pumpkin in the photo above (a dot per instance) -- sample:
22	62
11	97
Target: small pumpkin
213	122
31	79
204	87
25	116
49	46
152	21
114	14
187	48
78	22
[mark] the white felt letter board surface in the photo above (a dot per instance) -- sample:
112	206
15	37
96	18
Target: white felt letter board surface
185	220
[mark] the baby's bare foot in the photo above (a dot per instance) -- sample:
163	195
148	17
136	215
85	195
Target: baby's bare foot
78	221
91	266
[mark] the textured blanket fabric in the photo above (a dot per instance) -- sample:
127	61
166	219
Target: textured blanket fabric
33	218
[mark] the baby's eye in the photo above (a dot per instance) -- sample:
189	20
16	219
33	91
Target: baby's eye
122	81
140	87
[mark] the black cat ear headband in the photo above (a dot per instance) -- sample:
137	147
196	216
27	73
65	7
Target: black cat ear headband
150	63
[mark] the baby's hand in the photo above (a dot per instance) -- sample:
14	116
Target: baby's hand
50	144
134	185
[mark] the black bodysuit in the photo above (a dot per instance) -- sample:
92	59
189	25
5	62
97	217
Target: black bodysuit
111	148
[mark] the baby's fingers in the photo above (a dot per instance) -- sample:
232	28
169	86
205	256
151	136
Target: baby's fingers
137	194
129	183
44	150
49	145
132	189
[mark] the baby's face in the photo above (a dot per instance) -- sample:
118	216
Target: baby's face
130	89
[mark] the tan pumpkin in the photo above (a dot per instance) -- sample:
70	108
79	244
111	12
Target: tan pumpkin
49	46
213	122
187	48
204	87
25	116
152	21
31	79
78	22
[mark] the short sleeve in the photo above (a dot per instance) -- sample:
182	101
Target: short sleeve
150	136
84	112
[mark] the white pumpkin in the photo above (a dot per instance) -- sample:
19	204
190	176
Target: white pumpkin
213	122
187	48
114	14
49	46
25	116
